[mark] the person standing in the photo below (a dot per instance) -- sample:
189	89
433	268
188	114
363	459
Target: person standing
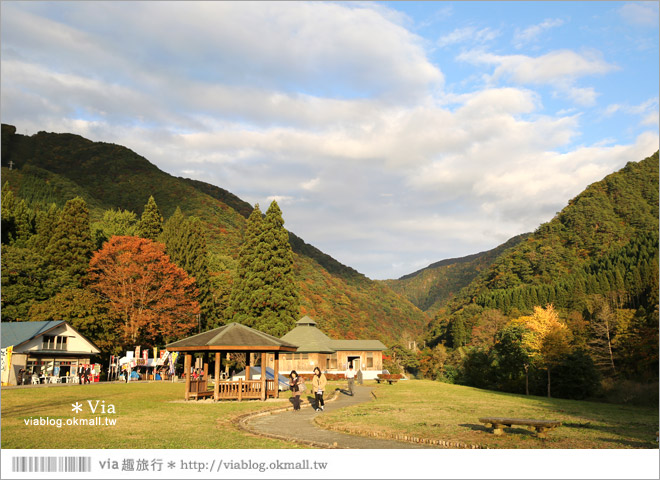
318	384
350	376
294	383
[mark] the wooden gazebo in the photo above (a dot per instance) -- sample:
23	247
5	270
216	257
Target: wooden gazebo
232	338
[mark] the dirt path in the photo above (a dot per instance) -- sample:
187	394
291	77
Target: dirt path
300	426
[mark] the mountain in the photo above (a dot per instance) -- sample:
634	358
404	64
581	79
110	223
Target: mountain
53	168
603	243
432	287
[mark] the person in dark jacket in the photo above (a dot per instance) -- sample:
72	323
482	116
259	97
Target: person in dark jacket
294	383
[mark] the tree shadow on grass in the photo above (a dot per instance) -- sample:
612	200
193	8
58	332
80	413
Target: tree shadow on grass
629	443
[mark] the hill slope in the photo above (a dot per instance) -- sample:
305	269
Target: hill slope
432	287
604	242
50	167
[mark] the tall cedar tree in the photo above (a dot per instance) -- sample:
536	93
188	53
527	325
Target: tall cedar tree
70	246
185	244
151	222
239	310
273	293
153	297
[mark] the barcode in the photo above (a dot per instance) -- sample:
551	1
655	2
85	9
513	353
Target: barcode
51	464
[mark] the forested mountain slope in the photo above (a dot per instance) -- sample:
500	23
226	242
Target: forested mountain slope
603	244
54	168
431	287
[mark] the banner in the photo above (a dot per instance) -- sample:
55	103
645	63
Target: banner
6	363
137	351
145	356
155	353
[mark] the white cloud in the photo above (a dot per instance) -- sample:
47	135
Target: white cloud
523	37
311	184
642	14
559	68
333	109
470	35
647	111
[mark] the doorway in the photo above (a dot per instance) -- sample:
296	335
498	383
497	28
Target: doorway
355	361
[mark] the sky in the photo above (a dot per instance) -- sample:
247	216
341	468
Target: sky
392	134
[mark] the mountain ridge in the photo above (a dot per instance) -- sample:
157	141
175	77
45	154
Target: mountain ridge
52	167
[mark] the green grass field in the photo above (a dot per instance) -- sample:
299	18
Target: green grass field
446	412
148	415
154	415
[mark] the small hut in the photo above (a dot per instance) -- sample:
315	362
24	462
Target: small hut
232	338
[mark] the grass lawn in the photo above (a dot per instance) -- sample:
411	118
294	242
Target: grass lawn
148	415
451	413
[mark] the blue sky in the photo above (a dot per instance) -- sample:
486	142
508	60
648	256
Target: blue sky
393	134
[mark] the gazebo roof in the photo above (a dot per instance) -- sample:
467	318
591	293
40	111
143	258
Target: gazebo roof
232	337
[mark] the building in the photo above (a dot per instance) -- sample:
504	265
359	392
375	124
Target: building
52	348
316	349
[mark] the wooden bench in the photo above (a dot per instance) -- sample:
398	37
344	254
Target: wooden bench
540	426
387	378
198	389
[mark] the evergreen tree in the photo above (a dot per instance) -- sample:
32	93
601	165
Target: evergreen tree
185	244
151	222
238	301
70	247
46	221
266	297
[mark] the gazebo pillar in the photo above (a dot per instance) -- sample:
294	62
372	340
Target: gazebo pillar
276	374
216	387
186	371
248	361
264	393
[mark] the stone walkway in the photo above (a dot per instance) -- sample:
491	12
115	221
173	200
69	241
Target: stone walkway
300	426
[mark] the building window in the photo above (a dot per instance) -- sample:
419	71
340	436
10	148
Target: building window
51	342
333	361
370	359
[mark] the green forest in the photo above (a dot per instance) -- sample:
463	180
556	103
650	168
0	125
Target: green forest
595	265
112	186
570	310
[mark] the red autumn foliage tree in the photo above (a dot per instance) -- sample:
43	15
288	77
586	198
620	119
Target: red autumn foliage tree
152	296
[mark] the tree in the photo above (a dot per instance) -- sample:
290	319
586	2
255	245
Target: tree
27	278
86	312
603	325
153	297
17	219
70	246
513	354
115	223
546	337
273	293
185	244
151	222
238	302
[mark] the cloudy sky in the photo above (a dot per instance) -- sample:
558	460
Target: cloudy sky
392	134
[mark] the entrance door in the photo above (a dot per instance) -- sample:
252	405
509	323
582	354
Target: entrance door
355	361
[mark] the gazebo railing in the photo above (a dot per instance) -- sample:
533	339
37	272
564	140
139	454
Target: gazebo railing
240	389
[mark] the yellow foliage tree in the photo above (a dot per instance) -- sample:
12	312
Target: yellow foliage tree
547	338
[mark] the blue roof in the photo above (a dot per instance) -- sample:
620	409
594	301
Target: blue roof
15	333
270	374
